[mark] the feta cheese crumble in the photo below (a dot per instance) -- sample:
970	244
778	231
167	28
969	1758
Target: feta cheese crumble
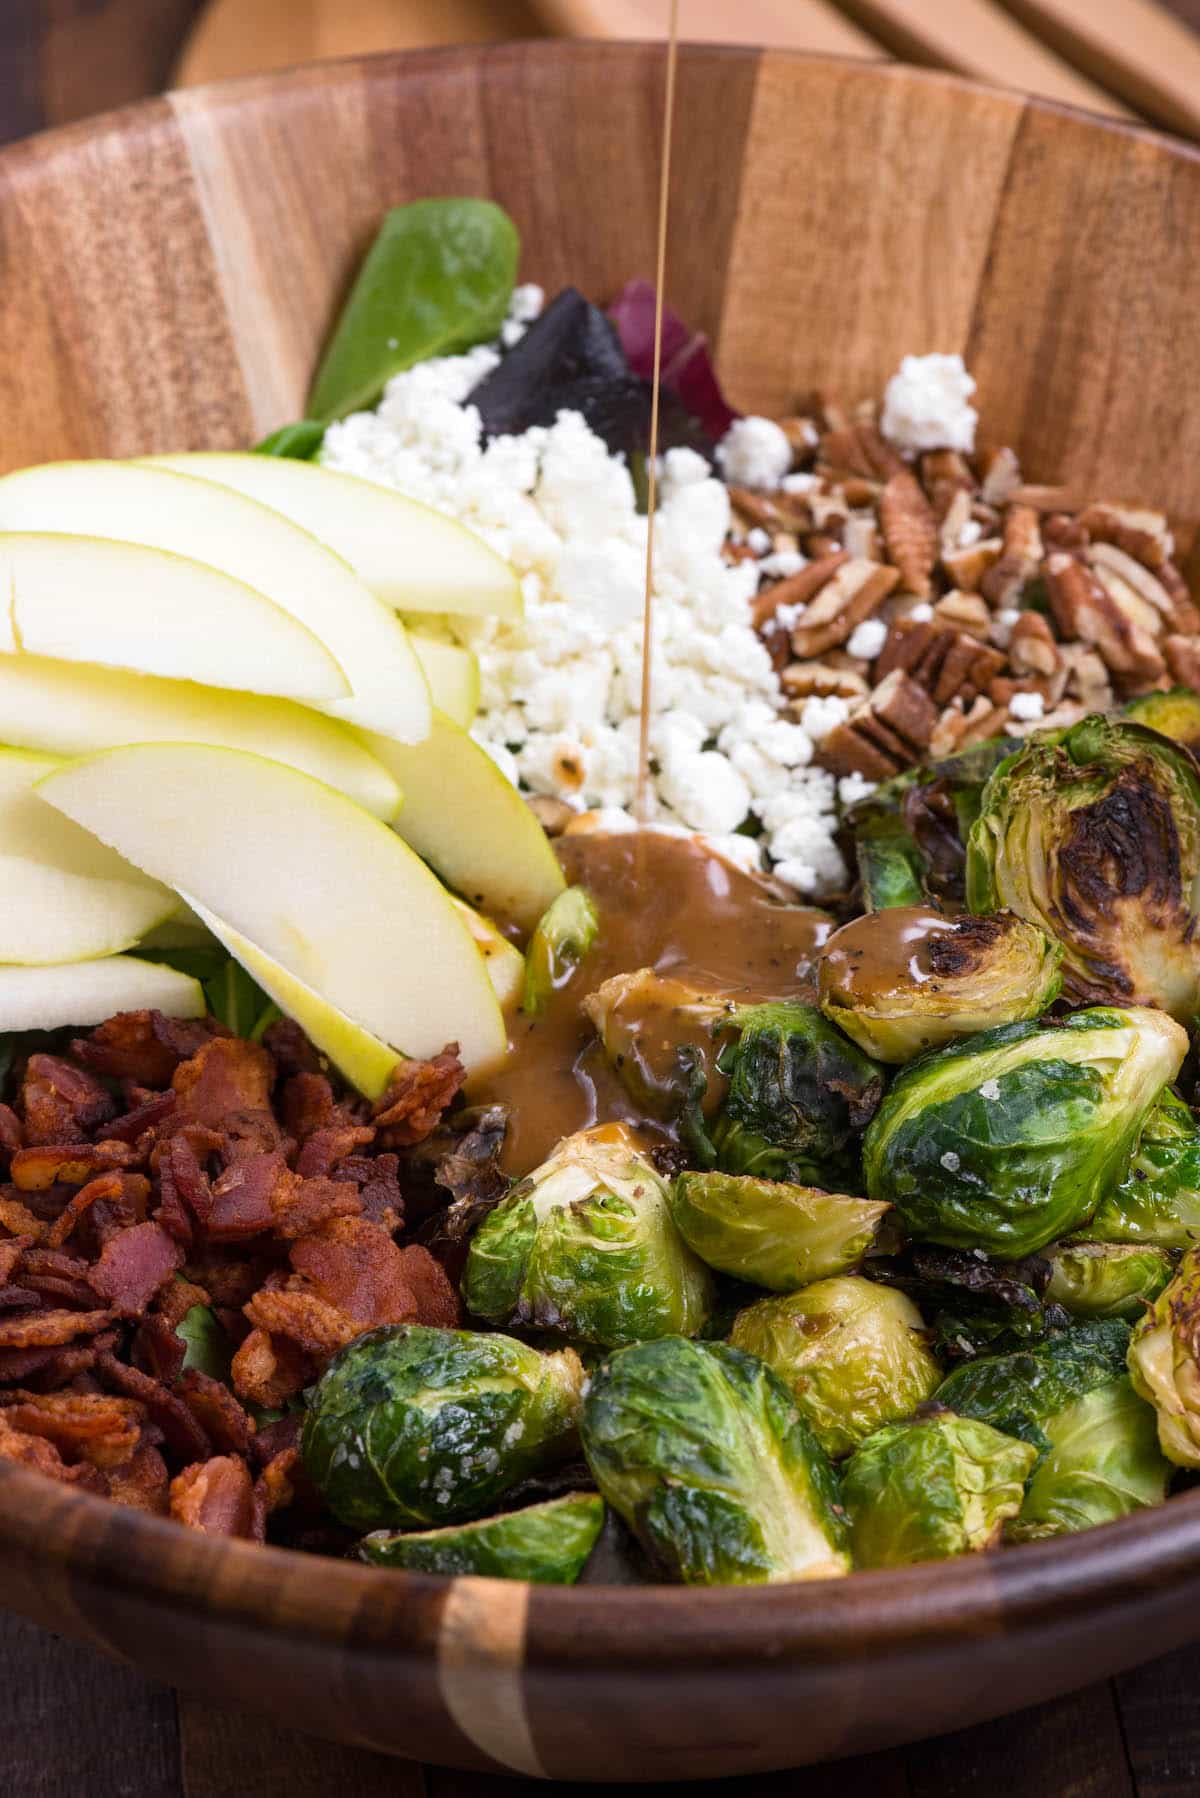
868	638
927	405
754	452
560	689
1028	707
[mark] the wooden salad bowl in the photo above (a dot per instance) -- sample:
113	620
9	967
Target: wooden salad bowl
171	272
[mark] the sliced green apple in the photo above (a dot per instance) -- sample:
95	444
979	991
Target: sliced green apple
414	558
504	962
88	599
265	551
453	676
471	824
88	992
65	896
74	708
317	884
365	1062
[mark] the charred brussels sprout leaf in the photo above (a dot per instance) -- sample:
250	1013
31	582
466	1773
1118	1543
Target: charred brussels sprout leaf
703	1452
1007	1140
975	1306
437	280
413	1425
547	1543
1098	1279
586	1247
770	1232
891	867
1163	1363
931	1488
657	1033
852	1353
911	981
1175	714
798	1093
1071	1399
1158	1202
1094	835
563	935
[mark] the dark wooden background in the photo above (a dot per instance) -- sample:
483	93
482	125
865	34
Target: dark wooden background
75	1726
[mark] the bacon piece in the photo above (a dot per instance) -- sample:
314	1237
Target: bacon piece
273	1490
50	1329
60	1103
178	1298
215	1497
226	1074
244	1196
307	1105
11	1136
183	1435
327	1147
72	1164
19	1219
157	1350
19	1298
354	1265
306	1204
290	1048
143	1119
142	1483
268	1371
310	1321
272	1438
141	1045
105	1186
46	1369
87	1426
10	1255
217	1411
435	1298
42	1456
134	1265
378	1180
420	1091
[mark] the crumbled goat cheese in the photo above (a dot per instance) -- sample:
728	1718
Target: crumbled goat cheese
759	541
754	452
1001	628
820	716
927	405
783	563
868	638
1028	707
921	614
560	689
970	534
800	483
853	787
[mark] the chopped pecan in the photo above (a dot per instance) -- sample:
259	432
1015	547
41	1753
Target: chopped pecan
967	567
850	750
905	707
802	433
960	725
910	531
804	680
1183	660
1142	534
1032	648
797	589
861	538
1046	499
1020	557
965	612
819	544
943	474
1175	608
1000	474
1061	531
957	521
1084	609
859	449
1128	600
854	592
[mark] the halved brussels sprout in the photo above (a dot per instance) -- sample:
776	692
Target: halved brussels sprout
1175	714
1070	1397
853	1355
909	981
1007	1140
547	1543
1159	1199
657	1032
585	1247
1094	834
931	1488
412	1425
770	1232
1101	1279
561	938
799	1092
1164	1362
703	1452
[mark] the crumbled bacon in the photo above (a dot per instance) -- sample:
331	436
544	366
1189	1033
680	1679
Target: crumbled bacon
143	1046
141	1482
268	1370
43	1457
60	1103
89	1426
184	1436
217	1412
133	1265
68	1164
420	1091
307	1105
225	1075
49	1329
17	1217
215	1496
273	1490
328	1147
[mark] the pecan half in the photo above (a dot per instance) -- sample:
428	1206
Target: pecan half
910	531
1083	608
856	590
1019	560
967	567
1032	648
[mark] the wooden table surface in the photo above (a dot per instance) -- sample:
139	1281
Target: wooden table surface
75	1726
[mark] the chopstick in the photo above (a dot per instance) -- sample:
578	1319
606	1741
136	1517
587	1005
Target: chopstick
790	24
1135	47
979	38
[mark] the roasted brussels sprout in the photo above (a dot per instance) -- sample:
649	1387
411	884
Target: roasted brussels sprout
1008	1140
547	1543
798	1093
852	1353
703	1452
657	1032
1164	1362
1102	1279
1070	1397
931	1488
891	867
586	1248
1159	1199
914	979
413	1425
974	1305
1175	714
1094	834
561	938
770	1232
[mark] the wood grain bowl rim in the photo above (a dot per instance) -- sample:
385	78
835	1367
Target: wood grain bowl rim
52	1527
